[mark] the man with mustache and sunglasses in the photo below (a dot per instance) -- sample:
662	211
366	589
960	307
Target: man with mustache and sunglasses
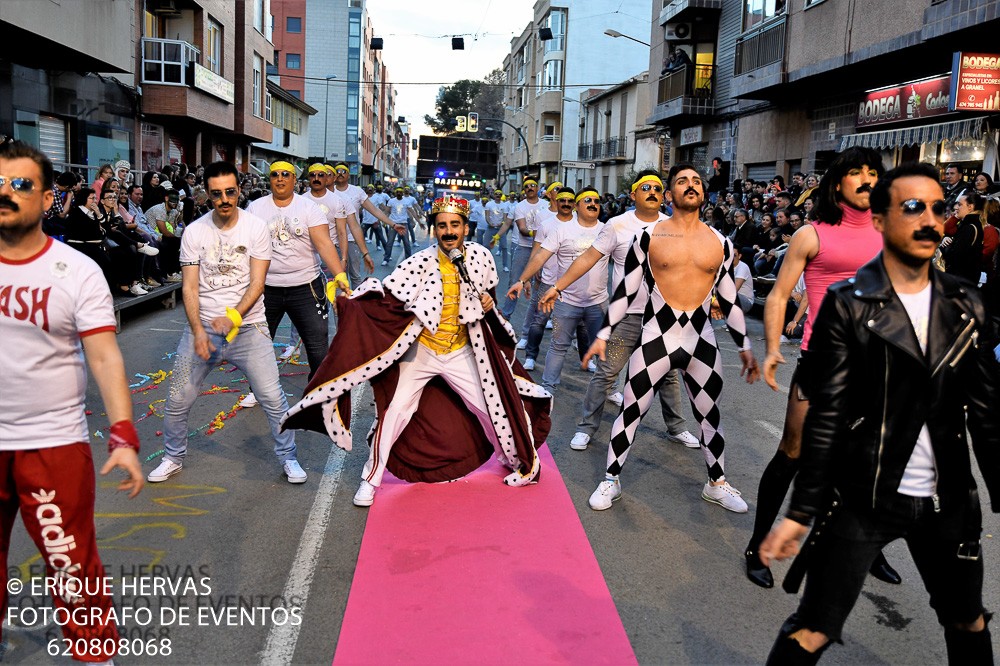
832	249
903	366
448	393
524	217
685	266
356	200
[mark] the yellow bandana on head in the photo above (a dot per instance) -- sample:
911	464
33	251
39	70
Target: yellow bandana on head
587	193
564	196
282	165
530	181
317	167
340	166
554	186
329	169
647	179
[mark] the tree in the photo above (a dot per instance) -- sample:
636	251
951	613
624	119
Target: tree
456	99
489	103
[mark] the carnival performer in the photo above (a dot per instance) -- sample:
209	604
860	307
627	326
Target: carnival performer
448	390
682	261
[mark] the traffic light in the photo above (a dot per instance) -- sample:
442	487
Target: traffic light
473	122
460	125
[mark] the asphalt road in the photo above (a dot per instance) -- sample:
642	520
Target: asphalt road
673	562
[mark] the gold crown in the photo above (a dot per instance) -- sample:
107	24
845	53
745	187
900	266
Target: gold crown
450	205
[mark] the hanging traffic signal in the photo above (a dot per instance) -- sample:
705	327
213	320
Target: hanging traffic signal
473	122
460	124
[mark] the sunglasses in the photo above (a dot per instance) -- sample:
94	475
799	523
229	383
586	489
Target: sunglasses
341	170
19	185
646	187
590	200
216	195
282	174
917	207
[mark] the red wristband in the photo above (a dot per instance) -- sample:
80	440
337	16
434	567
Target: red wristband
123	435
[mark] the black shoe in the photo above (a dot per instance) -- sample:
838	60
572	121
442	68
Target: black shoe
757	572
881	570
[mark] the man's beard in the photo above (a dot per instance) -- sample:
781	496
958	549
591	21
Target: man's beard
13	232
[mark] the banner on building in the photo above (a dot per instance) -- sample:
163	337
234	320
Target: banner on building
975	82
927	98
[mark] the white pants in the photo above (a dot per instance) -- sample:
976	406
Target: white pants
418	366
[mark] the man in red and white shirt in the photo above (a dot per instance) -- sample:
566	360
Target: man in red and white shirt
55	304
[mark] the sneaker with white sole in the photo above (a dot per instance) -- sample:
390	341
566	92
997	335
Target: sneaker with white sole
163	471
287	354
685	438
137	290
725	496
607	492
529	364
174	277
506	269
616	398
153	283
294	471
522	343
249	401
592	365
548	325
579	441
365	495
148	250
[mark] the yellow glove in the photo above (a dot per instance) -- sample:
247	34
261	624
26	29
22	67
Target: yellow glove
237	319
496	238
339	280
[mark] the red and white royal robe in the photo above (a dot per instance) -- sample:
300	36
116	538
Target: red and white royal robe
443	441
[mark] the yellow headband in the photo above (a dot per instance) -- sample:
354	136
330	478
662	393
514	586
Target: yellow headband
282	165
341	165
568	196
530	181
317	167
586	193
553	186
647	179
329	169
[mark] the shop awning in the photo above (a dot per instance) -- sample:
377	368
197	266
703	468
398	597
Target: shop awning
911	136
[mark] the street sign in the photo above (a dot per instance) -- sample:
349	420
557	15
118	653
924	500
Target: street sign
570	164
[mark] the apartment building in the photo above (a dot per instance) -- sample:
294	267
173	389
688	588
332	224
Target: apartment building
775	87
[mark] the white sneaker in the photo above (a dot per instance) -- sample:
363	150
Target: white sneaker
385	263
548	325
785	340
606	493
287	354
137	290
294	471
685	438
579	441
365	495
249	401
174	277
522	343
529	364
506	269
616	398
592	366
148	250
163	471
725	496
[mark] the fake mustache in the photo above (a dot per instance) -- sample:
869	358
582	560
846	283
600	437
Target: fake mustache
652	197
7	202
927	233
864	188
691	190
592	208
449	237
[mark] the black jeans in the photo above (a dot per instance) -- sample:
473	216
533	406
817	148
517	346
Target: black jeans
307	307
950	565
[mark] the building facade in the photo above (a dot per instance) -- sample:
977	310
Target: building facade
289	118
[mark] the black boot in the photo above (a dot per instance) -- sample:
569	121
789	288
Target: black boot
972	648
757	572
774	483
881	570
787	651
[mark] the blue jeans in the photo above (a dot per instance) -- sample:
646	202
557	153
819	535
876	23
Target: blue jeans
306	306
375	230
565	319
534	326
253	353
391	237
517	264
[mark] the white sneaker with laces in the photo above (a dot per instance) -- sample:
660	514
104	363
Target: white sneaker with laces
137	290
174	277
579	441
385	263
685	438
148	250
506	269
529	364
616	398
522	343
163	471
725	496
294	471
607	492
592	366
365	495
249	401
287	354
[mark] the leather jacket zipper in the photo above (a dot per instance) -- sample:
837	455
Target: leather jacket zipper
947	358
881	437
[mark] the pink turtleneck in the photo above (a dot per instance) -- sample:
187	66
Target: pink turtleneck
843	249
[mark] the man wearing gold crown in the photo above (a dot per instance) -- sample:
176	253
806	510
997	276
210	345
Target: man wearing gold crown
448	390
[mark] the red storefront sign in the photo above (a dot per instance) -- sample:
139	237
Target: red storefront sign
975	82
910	101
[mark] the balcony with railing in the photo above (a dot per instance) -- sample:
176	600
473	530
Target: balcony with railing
688	91
174	84
615	148
760	58
167	61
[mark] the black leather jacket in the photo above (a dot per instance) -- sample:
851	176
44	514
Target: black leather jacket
872	389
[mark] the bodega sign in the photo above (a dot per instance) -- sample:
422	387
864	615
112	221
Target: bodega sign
911	101
975	82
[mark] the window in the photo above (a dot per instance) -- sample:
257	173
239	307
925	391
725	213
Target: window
519	67
258	70
556	22
267	107
552	75
756	12
258	15
297	94
293	24
293	60
213	47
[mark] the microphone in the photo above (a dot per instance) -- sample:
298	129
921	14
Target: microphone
458	259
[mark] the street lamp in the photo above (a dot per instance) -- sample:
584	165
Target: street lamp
326	116
614	33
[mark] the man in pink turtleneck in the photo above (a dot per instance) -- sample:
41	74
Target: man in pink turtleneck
827	251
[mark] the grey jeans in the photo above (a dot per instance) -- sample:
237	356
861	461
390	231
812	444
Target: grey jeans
624	338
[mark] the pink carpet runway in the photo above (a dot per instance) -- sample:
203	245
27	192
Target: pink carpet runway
474	571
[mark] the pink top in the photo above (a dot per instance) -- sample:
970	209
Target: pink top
843	249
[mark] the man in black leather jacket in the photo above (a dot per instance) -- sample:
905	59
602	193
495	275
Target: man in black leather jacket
904	364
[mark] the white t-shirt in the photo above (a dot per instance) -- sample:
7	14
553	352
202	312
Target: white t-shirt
496	211
379	199
399	210
614	240
48	303
333	207
920	476
741	270
293	256
549	272
529	213
353	196
223	259
568	241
